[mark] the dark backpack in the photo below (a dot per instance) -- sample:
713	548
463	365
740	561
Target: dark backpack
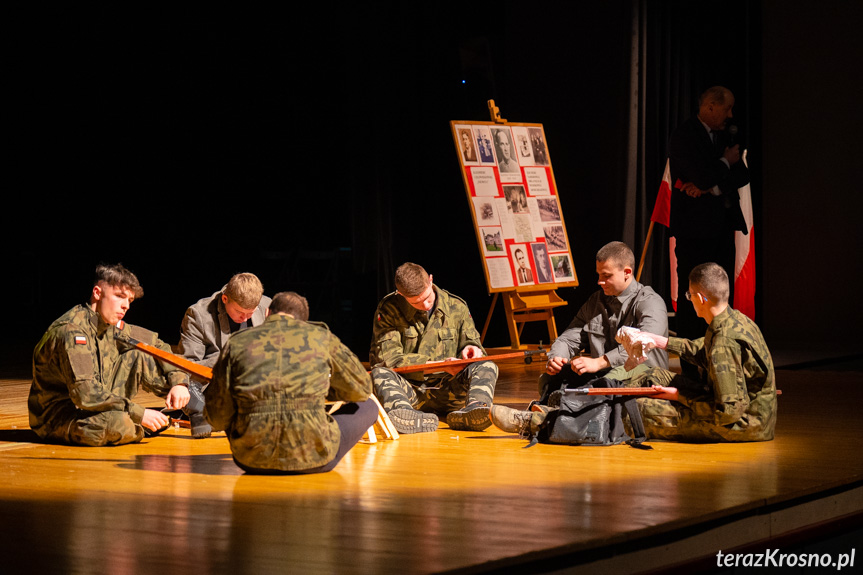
594	419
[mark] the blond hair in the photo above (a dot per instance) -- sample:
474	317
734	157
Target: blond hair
245	290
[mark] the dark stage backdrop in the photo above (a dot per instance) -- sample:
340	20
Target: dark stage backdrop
312	146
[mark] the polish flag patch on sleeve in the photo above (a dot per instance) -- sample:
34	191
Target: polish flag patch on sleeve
80	340
121	324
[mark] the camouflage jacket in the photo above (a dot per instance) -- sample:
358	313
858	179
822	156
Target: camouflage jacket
737	364
74	365
403	335
268	392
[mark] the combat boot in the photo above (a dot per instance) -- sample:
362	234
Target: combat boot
195	411
407	420
526	423
472	417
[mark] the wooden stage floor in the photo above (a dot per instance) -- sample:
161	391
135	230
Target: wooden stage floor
434	502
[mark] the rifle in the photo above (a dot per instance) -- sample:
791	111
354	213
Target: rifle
205	374
646	391
643	391
201	373
448	365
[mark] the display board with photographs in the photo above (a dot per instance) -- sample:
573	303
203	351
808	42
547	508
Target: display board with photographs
515	205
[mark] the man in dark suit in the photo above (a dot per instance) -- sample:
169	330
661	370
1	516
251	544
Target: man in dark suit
705	206
467	146
524	274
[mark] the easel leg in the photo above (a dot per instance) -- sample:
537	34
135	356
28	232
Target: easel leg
511	323
488	317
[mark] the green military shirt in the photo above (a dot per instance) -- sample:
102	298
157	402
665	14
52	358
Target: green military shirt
404	335
268	392
738	365
75	368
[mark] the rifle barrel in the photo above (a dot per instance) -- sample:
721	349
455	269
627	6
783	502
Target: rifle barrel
613	391
646	391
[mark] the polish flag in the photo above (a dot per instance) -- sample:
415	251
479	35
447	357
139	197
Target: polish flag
744	245
662	215
744	264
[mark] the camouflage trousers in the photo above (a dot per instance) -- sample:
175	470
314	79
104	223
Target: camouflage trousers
674	421
440	393
133	371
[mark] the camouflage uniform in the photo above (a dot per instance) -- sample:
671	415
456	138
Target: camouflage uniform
85	374
268	392
404	336
735	401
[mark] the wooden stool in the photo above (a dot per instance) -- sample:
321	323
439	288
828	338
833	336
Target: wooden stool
383	424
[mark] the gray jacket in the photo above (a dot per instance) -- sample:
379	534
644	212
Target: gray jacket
206	328
596	324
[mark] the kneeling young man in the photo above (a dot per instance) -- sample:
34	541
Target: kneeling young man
85	371
269	388
421	323
735	397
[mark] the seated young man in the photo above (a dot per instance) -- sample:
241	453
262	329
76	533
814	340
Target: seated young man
621	301
85	371
208	324
735	397
269	388
423	323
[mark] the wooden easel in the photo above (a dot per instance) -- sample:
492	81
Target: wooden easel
532	301
525	306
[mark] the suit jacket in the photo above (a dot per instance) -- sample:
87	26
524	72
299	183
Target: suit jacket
695	158
206	328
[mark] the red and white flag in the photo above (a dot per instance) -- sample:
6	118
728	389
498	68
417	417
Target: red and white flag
744	262
662	215
744	244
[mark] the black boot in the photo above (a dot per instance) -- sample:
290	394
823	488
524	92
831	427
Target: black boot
472	417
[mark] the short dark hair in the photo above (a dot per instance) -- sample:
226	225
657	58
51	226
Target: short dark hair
712	280
411	279
116	275
617	252
291	303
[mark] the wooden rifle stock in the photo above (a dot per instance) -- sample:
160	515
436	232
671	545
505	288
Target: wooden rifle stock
200	372
436	366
